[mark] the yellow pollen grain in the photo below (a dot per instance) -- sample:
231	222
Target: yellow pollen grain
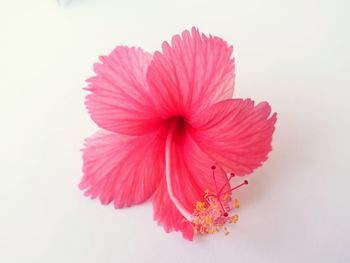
208	220
236	203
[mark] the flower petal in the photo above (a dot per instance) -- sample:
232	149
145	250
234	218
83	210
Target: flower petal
191	175
236	133
195	71
122	169
120	99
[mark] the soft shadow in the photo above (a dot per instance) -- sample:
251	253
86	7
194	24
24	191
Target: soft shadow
289	151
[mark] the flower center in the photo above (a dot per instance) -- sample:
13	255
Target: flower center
180	125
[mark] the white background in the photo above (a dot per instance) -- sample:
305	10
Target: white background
294	54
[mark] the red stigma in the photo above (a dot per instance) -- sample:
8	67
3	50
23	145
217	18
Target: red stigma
236	187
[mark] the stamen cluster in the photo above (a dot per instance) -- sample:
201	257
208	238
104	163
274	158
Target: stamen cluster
212	215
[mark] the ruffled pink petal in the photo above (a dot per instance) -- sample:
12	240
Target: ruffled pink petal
122	169
195	71
120	98
191	175
236	133
167	215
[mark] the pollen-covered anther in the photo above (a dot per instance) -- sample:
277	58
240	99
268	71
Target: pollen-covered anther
235	219
236	203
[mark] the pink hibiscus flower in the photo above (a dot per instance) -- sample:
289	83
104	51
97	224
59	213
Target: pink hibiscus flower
166	119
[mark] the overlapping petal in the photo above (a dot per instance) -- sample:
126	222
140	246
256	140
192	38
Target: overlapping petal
192	73
236	133
123	169
191	175
120	99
